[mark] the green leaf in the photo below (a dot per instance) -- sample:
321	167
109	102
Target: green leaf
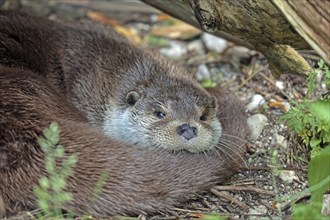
320	63
43	204
58	184
50	165
319	170
314	142
59	152
212	217
44	144
52	133
44	183
321	109
311	82
208	83
306	212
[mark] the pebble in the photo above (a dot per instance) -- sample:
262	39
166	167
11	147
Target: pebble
203	72
213	43
326	205
256	101
259	210
279	141
279	84
197	46
256	123
287	175
175	50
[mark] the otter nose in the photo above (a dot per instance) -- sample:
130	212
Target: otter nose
186	131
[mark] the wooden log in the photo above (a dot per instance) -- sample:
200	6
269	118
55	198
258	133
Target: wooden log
311	19
257	24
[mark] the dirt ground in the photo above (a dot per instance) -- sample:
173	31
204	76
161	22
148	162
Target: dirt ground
276	162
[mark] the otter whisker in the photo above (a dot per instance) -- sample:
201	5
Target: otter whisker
232	142
238	160
234	151
225	148
236	137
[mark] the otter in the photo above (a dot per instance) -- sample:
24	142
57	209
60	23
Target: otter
135	96
97	87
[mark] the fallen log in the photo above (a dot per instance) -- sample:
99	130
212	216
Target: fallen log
275	27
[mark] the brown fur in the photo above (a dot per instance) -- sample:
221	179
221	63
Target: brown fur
36	84
96	69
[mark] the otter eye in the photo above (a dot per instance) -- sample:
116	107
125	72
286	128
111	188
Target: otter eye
159	114
203	118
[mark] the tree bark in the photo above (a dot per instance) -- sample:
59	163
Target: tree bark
311	19
257	24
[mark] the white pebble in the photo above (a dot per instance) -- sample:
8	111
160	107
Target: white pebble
287	175
256	123
279	84
203	72
214	43
255	102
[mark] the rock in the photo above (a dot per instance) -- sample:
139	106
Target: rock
197	46
287	175
256	101
203	72
175	51
326	205
237	55
279	141
259	210
279	84
213	43
256	123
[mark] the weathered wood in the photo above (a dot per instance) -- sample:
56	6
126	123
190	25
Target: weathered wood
311	19
257	24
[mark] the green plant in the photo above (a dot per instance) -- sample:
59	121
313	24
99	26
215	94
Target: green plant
319	182
212	217
50	192
310	119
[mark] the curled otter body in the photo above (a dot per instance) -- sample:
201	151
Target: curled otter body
49	83
135	96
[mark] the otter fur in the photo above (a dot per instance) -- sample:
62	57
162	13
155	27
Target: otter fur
135	96
64	73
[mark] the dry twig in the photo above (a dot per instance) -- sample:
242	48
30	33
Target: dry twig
229	198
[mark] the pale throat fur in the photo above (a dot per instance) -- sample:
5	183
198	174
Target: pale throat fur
161	106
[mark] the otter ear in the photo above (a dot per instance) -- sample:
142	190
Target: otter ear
214	102
132	97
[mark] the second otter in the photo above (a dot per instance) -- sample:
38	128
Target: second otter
134	96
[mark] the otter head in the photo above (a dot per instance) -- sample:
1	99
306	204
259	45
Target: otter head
172	114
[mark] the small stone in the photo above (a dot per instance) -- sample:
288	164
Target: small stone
175	50
256	123
279	84
259	210
280	141
251	149
287	175
214	43
256	101
196	46
202	72
326	205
